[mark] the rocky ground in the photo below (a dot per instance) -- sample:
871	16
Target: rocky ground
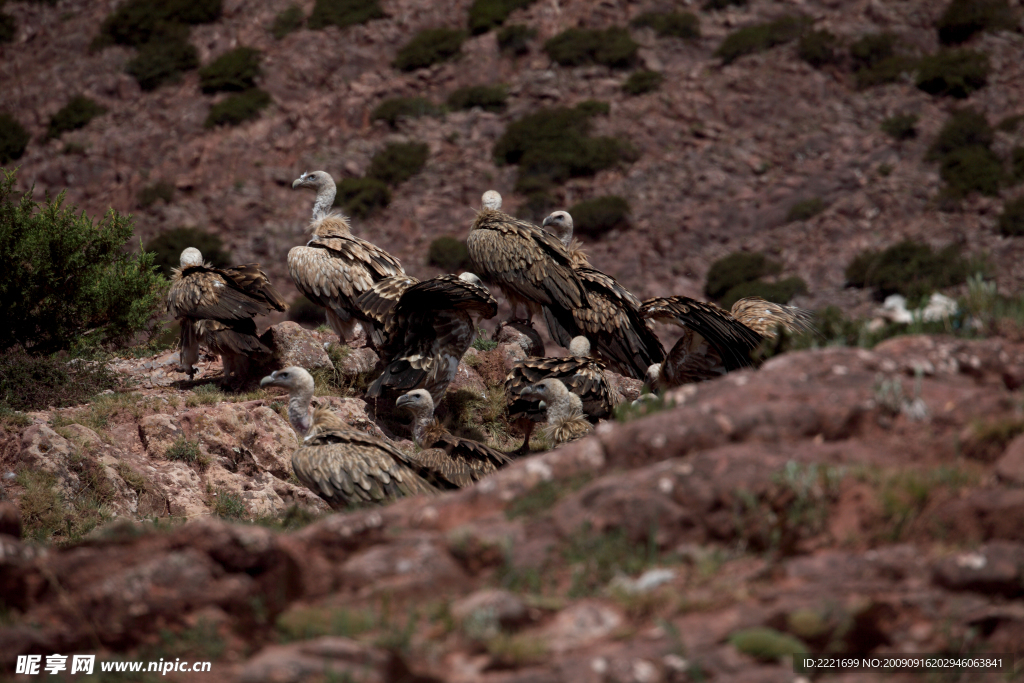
855	501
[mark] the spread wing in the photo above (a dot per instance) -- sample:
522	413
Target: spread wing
733	340
200	292
764	317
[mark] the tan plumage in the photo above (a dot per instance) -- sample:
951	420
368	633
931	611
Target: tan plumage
566	421
765	317
342	465
428	332
380	299
334	268
215	306
458	462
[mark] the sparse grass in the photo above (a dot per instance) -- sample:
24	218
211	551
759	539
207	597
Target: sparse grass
398	162
806	209
988	439
428	47
96	416
642	82
234	71
684	25
544	495
292	519
49	517
361	197
287	21
13	138
38	382
736	269
612	47
168	246
1011	220
229	505
238	108
202	641
77	113
485	15
491	98
398	108
904	495
818	48
761	37
306	623
133	479
517	650
188	451
204	395
597	557
627	412
344	13
766	644
953	73
449	253
900	127
515	39
12	419
909	268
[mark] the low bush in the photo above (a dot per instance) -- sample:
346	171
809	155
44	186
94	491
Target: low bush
515	39
398	162
611	47
761	37
360	197
487	97
13	138
151	194
900	126
595	217
8	27
485	15
953	73
964	18
889	70
448	253
875	61
1017	163
137	22
238	108
187	451
74	115
38	382
1011	220
234	71
806	209
965	128
305	312
342	13
972	169
736	269
162	61
780	292
398	108
428	47
676	24
1010	123
722	4
818	48
909	268
641	82
287	21
167	248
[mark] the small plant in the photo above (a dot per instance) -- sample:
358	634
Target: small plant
676	24
1011	221
515	39
448	253
398	162
287	21
598	557
305	312
238	108
8	27
360	197
429	47
487	97
343	13
228	505
597	216
399	108
137	22
160	190
761	37
37	382
711	5
908	268
305	623
965	128
986	441
162	61
13	138
885	170
167	248
972	169
806	209
483	344
953	73
233	71
964	18
900	126
612	47
875	61
544	495
818	48
74	115
1010	123
187	451
766	644
485	15
736	269
1017	163
641	82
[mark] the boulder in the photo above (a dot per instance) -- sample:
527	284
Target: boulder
292	344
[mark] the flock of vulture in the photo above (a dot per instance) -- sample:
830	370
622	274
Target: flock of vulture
421	329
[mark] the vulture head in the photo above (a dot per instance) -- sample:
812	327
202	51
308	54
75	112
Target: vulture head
653	376
561	403
559	224
299	384
191	258
579	347
491	200
417	402
472	279
322	183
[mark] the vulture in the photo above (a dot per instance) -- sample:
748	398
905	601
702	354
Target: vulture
716	341
216	306
581	375
427	333
460	461
334	268
566	421
621	335
340	464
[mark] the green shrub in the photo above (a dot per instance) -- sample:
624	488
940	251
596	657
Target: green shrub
167	248
889	70
342	13
487	14
908	268
612	47
287	21
900	126
487	97
187	451
963	18
594	108
515	39
818	48
430	46
736	269
871	50
1017	163
398	108
8	27
640	82
13	138
780	292
74	115
767	644
448	253
972	169
37	382
1011	220
398	162
761	37
238	108
594	217
150	194
711	5
162	61
303	311
360	197
233	71
676	24
137	22
75	284
953	73
1010	123
965	128
806	209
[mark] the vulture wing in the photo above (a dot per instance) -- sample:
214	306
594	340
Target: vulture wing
732	339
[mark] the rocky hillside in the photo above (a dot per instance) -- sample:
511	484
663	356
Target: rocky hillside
722	152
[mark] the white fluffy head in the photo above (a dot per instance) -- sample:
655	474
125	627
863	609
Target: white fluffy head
471	278
191	257
417	401
295	379
579	347
492	200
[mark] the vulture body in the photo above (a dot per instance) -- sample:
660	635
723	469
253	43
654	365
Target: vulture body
428	332
334	268
458	461
565	419
342	465
215	307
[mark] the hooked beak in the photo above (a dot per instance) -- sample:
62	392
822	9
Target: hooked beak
547	220
269	381
297	182
403	401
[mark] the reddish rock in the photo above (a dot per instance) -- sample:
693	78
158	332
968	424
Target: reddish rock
293	344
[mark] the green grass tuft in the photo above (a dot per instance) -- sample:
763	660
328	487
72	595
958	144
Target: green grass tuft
287	21
953	73
398	162
238	108
229	505
488	97
398	108
675	24
234	71
766	644
642	82
76	114
187	451
428	47
360	197
761	37
344	13
900	126
612	47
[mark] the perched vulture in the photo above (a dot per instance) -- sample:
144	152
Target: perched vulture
342	465
581	375
460	462
566	421
334	268
428	332
216	306
621	335
716	341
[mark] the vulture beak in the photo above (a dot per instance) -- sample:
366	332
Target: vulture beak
403	401
297	182
547	221
270	380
